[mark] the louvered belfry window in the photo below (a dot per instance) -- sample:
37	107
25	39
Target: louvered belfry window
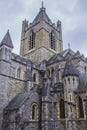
32	40
52	40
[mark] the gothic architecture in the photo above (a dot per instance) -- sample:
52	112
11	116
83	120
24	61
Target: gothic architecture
45	87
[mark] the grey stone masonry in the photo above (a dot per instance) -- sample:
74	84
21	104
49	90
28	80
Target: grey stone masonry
45	87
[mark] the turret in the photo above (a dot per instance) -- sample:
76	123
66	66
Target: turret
24	27
6	47
70	76
23	41
70	80
59	28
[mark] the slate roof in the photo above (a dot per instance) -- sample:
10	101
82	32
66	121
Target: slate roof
64	55
17	101
55	58
42	16
21	59
7	40
70	51
82	83
60	56
70	69
77	54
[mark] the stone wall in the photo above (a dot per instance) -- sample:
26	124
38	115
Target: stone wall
40	54
3	96
42	39
24	113
15	86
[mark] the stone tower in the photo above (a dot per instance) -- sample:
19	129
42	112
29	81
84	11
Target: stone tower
6	47
40	39
70	79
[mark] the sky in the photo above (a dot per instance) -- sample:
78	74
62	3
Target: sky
72	14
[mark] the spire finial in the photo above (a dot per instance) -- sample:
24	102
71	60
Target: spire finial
42	4
8	30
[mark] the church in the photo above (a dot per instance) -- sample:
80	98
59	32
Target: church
45	86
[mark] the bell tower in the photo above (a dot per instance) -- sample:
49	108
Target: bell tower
41	39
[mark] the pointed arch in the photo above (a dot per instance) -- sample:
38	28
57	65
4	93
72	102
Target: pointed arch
32	40
62	108
19	72
51	71
80	110
34	77
34	111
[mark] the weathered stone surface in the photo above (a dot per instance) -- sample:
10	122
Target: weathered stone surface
40	82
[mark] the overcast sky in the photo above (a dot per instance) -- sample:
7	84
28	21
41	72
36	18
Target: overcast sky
72	13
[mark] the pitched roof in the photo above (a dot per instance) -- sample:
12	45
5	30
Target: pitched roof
70	69
55	58
77	54
82	81
65	52
7	40
17	101
42	16
61	56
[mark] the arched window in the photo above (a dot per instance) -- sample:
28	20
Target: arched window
51	71
62	109
85	69
34	77
32	40
73	80
18	73
34	110
69	80
80	107
52	40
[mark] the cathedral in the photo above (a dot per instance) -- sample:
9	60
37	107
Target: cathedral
45	86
